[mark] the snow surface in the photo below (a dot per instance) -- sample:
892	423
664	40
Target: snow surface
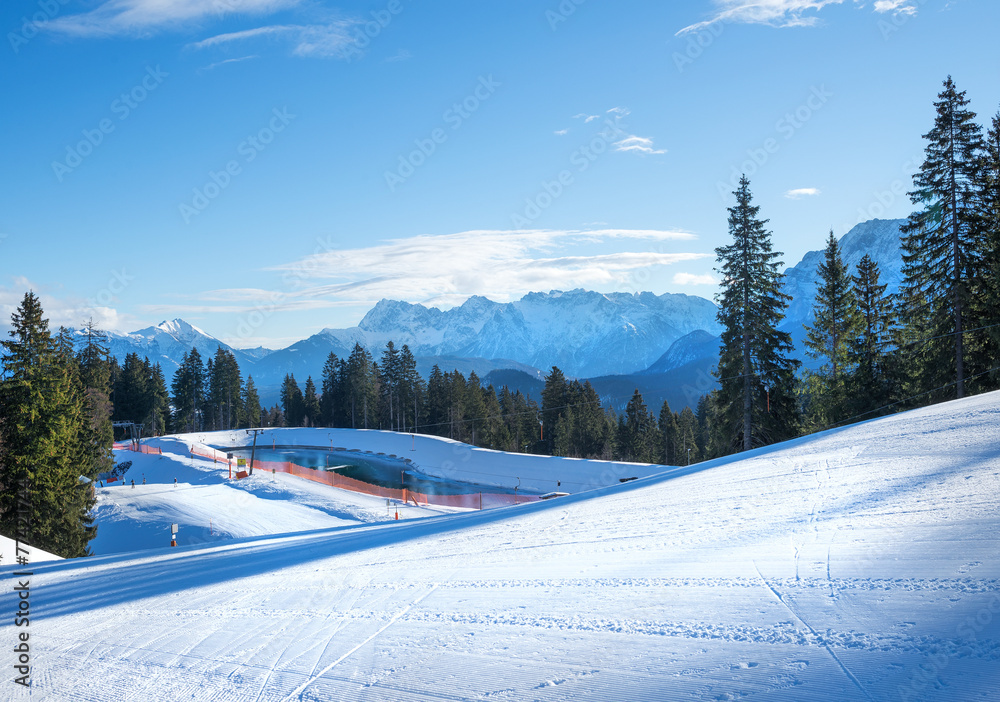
857	564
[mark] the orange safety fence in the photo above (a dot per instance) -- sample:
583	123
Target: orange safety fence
141	448
476	500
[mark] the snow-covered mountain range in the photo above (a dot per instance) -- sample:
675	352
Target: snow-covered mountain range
586	334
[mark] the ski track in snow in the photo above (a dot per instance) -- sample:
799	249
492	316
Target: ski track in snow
859	564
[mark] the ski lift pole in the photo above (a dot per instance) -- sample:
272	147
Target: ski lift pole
253	449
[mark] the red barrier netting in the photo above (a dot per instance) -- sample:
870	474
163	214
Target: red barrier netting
476	500
141	448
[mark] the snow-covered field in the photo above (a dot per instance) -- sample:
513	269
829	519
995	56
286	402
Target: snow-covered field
858	564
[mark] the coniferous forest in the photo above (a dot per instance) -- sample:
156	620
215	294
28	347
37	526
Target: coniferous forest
937	339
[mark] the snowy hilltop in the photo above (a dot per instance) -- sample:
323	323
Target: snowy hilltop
854	564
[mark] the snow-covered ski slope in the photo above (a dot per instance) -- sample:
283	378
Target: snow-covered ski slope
858	564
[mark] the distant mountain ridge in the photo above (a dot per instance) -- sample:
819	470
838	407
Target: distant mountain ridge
587	334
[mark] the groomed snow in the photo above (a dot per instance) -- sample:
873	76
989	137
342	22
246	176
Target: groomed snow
857	564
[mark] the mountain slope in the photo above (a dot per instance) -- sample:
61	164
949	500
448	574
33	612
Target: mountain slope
856	564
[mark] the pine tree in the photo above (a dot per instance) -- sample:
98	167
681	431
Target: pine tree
875	380
986	295
188	389
292	402
667	423
756	403
330	389
251	412
310	404
830	336
95	376
157	418
225	388
411	391
361	389
44	431
943	243
638	433
555	399
687	437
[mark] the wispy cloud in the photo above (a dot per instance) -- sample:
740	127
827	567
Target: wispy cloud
319	40
62	309
797	193
899	7
211	66
638	144
145	17
401	55
561	132
775	13
502	265
586	118
692	279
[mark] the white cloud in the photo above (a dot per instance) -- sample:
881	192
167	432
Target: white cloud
561	132
620	112
501	265
210	66
775	13
401	55
692	279
586	118
319	40
144	17
797	193
638	144
66	310
899	7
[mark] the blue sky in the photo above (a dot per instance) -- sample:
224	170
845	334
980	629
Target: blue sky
267	168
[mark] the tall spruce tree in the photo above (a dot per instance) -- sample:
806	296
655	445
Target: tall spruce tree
943	243
44	432
95	376
875	380
757	405
251	412
188	389
310	404
830	335
986	295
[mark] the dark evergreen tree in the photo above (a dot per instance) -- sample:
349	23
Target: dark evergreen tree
95	376
43	432
638	433
687	441
667	423
757	405
331	392
829	338
225	389
876	378
251	411
555	399
986	293
188	389
361	388
292	402
310	404
943	244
